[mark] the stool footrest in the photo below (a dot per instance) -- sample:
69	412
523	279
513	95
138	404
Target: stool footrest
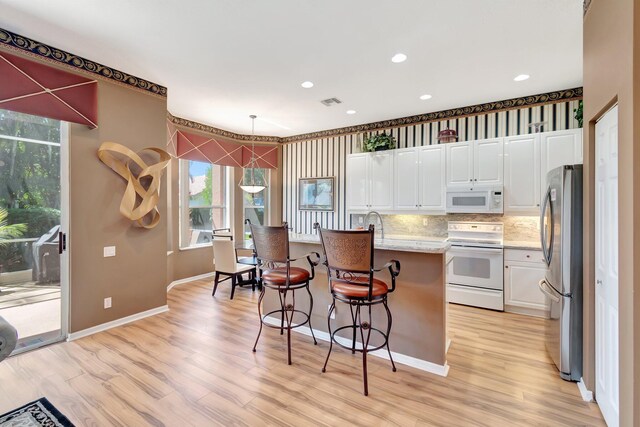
333	338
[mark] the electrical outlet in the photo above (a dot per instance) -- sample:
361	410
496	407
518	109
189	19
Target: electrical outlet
360	220
333	313
107	303
109	251
425	221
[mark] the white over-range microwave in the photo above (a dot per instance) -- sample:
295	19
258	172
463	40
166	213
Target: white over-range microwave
478	199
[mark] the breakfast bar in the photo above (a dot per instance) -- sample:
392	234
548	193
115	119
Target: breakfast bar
418	336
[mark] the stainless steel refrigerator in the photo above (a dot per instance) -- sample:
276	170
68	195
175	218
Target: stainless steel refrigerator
561	235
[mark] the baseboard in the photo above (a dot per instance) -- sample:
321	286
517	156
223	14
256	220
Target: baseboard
117	322
587	395
423	365
189	279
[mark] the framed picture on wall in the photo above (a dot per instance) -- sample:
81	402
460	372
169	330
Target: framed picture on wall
315	194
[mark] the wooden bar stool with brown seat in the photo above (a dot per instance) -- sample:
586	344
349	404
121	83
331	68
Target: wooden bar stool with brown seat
271	245
350	269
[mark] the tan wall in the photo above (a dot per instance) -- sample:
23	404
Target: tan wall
608	78
136	278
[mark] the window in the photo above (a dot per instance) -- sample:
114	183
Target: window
255	204
203	201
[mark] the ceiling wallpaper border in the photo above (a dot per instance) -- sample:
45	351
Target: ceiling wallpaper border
489	107
44	51
186	123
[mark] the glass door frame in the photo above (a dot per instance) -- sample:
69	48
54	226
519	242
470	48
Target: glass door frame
65	255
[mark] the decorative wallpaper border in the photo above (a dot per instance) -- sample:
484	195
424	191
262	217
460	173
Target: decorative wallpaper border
40	50
178	121
489	107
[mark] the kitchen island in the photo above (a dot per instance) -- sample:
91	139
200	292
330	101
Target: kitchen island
418	305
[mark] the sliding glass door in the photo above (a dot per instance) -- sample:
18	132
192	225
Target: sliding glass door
33	286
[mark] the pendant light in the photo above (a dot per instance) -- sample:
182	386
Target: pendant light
252	185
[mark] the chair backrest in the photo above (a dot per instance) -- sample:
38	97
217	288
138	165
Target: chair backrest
271	244
224	255
348	250
222	233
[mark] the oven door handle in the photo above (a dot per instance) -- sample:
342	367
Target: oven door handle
476	249
544	287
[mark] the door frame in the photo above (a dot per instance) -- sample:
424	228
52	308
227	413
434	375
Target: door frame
595	279
65	220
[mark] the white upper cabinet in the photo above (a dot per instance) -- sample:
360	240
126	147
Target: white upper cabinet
381	179
370	181
407	179
459	159
474	163
419	181
487	162
522	174
432	178
358	181
559	148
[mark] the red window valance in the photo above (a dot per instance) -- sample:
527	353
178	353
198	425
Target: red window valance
31	87
219	151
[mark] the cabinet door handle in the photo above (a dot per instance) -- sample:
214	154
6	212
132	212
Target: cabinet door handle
506	266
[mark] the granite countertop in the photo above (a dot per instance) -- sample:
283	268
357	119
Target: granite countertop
436	245
520	244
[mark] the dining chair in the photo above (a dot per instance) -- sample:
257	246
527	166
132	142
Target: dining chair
226	264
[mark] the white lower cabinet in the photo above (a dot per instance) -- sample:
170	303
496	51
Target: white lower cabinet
523	270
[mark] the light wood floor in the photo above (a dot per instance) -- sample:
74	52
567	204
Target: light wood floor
194	366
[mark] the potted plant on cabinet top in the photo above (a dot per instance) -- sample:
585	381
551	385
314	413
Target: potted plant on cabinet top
379	142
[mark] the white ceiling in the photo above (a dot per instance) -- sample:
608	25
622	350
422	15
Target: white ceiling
225	59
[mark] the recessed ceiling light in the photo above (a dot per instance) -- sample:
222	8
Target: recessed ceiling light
307	85
425	97
351	111
521	77
399	57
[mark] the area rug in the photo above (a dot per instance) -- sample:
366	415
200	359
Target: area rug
35	414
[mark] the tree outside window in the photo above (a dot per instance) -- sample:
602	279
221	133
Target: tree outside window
202	201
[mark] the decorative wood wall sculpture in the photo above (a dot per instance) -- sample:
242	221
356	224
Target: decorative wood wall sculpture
140	200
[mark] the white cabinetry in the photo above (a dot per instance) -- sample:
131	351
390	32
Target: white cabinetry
522	174
358	186
523	269
381	180
459	164
528	159
487	162
559	148
419	179
370	181
474	163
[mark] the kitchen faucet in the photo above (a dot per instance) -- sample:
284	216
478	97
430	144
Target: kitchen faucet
366	221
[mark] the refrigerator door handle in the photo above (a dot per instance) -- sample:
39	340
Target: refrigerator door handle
546	204
544	287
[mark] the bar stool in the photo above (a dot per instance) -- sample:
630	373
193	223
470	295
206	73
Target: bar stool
271	245
349	262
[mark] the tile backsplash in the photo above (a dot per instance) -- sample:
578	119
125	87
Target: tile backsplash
516	228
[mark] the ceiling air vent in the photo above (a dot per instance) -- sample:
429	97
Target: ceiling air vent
330	102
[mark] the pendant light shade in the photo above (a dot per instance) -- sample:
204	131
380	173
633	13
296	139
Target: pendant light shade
251	184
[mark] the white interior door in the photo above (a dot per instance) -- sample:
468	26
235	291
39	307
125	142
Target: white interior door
607	343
